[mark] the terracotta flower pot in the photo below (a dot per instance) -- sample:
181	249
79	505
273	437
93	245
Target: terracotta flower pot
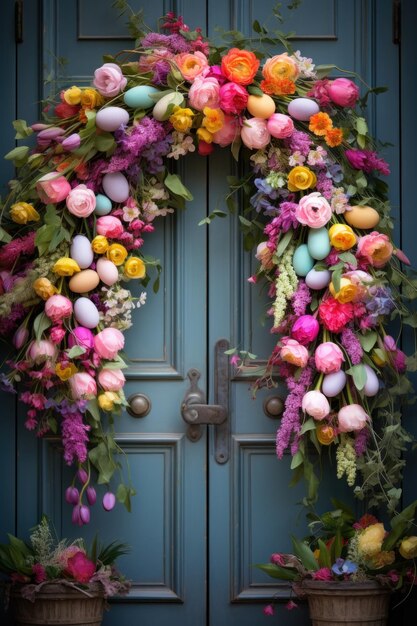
57	604
347	603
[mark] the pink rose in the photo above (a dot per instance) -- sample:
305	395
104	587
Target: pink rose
255	134
204	92
313	210
293	352
324	573
82	337
58	308
111	380
109	226
82	385
81	201
53	188
280	125
190	64
352	418
328	357
315	404
56	334
80	567
375	248
228	132
108	342
233	98
305	329
109	80
41	350
343	92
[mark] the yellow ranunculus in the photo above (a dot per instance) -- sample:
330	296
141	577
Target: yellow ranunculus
301	178
72	95
381	559
408	547
66	266
213	119
134	267
90	98
204	135
100	245
44	288
325	434
342	237
116	253
65	372
370	540
22	212
107	400
347	291
181	119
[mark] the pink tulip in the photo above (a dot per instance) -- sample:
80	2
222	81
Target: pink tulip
352	418
305	329
72	495
109	501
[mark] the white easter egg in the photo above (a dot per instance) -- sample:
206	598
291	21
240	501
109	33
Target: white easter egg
303	108
371	387
116	186
108	272
86	313
162	109
111	118
333	383
81	251
316	279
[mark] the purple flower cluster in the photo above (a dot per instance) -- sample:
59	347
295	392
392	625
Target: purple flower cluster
132	144
299	142
290	422
261	201
324	185
352	345
381	302
74	431
301	299
175	43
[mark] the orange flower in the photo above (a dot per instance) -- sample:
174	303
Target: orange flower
334	137
278	87
240	66
213	119
191	64
320	123
82	115
280	66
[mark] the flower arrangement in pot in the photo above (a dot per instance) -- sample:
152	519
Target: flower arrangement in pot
47	578
348	558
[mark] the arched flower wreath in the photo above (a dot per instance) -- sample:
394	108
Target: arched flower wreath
95	184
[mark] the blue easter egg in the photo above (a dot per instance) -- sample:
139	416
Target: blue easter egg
318	243
138	97
103	205
302	260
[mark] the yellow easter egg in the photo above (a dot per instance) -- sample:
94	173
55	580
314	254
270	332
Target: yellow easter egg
261	106
363	217
84	281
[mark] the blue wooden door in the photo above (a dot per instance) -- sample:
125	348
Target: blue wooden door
199	520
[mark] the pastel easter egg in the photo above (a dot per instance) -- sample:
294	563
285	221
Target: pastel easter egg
138	97
302	261
84	281
107	271
81	251
333	384
303	108
318	243
318	279
261	106
103	205
86	313
162	109
371	387
111	118
363	217
116	186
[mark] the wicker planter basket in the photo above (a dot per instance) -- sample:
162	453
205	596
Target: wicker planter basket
347	603
58	604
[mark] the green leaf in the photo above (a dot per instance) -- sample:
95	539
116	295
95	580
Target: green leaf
4	236
275	571
348	257
283	243
244	221
103	461
235	148
368	341
40	324
336	278
305	554
324	70
358	373
22	129
92	408
411	320
400	525
310	424
297	459
104	142
255	91
361	126
361	181
18	155
75	351
174	184
324	558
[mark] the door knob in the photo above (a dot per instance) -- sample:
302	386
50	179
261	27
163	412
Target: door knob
139	405
196	412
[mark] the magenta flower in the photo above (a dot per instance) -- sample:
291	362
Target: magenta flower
305	329
269	610
109	501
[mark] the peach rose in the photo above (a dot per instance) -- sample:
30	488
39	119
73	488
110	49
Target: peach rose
204	92
240	66
191	65
280	66
53	188
375	248
293	352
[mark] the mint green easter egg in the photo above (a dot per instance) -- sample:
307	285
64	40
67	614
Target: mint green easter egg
138	97
302	260
318	243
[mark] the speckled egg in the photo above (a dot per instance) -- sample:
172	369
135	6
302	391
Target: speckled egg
333	383
363	217
111	118
302	261
107	271
86	313
81	251
161	110
116	186
371	387
303	108
138	97
261	106
318	279
318	243
103	205
84	281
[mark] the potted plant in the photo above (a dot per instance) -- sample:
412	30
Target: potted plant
60	582
347	569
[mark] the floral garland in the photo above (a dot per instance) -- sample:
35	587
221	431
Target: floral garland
74	222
